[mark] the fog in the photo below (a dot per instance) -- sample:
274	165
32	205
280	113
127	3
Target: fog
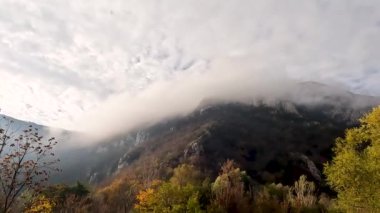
231	80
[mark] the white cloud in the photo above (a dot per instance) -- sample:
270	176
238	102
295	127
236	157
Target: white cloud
59	59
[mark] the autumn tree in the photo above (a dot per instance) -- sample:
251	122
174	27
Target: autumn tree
169	198
272	198
63	198
228	188
354	172
186	174
302	194
26	162
120	195
40	204
180	194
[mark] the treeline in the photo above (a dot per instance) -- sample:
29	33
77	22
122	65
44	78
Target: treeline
353	173
187	190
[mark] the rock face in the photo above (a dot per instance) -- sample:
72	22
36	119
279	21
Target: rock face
141	136
194	149
304	163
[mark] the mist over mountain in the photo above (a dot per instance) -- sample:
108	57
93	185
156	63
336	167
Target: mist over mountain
189	106
293	135
179	97
292	132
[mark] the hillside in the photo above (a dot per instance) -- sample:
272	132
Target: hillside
262	151
273	143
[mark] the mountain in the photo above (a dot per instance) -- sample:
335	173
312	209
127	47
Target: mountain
15	125
273	141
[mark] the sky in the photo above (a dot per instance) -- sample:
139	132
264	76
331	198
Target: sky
61	62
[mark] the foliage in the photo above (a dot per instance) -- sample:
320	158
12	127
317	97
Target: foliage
144	200
62	194
228	188
272	198
182	193
354	172
186	174
41	204
169	197
302	194
26	161
120	195
300	197
185	191
79	190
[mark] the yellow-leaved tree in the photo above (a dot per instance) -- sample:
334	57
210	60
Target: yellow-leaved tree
354	171
180	194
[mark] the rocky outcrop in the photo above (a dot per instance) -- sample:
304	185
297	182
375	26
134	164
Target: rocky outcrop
194	148
305	163
141	136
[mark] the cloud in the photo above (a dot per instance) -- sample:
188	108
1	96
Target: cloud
177	97
64	59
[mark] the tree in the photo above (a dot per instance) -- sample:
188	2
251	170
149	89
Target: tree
26	162
65	198
302	194
228	188
181	194
272	198
168	197
120	195
354	172
186	174
41	204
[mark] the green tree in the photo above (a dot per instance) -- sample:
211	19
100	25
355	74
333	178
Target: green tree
354	171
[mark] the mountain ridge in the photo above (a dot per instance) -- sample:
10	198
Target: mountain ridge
248	132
